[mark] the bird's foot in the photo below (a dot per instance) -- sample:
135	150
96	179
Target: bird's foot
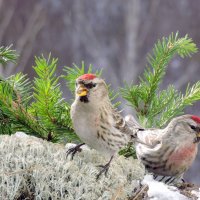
104	168
74	150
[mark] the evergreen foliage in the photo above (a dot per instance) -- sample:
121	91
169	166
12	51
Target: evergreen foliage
48	106
14	93
154	108
7	54
38	108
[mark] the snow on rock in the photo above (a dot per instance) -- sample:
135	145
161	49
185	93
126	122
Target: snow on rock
196	193
21	135
158	190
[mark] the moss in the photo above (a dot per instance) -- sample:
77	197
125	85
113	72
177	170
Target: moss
36	169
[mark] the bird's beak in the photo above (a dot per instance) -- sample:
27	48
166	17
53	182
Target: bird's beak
197	139
82	91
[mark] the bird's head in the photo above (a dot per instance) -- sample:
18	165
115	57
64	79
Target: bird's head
90	88
186	126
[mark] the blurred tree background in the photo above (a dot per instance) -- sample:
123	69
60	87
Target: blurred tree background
113	35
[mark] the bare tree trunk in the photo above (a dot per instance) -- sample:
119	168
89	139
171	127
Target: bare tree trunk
131	30
7	19
25	43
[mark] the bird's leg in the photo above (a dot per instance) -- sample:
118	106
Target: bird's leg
104	168
74	150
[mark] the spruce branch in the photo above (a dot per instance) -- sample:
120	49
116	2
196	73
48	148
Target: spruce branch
5	123
152	105
36	108
7	54
48	105
13	114
179	102
21	86
163	52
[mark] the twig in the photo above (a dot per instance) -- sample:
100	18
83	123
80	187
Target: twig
117	194
144	187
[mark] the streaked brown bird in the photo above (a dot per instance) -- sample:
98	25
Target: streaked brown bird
168	153
96	122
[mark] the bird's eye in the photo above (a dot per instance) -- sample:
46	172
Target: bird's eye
193	127
90	85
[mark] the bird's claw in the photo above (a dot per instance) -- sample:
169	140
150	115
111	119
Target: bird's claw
74	150
104	169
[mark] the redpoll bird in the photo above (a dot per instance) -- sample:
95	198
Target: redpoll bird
95	120
172	150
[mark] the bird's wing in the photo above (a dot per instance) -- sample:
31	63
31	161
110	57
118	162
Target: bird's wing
132	123
149	137
125	126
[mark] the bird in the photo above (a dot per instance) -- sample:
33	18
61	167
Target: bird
96	121
169	152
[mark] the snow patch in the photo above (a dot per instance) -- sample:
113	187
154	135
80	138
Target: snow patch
21	135
158	190
196	193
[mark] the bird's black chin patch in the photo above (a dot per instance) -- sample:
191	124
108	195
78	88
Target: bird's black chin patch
84	99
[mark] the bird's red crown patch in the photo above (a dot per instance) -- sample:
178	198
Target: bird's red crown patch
87	77
196	119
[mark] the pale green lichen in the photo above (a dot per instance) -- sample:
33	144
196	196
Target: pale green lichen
31	168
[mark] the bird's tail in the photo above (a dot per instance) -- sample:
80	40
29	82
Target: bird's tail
170	180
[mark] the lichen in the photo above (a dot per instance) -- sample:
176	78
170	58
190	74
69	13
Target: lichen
31	168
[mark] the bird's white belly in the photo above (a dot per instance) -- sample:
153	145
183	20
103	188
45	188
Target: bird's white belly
86	128
86	133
